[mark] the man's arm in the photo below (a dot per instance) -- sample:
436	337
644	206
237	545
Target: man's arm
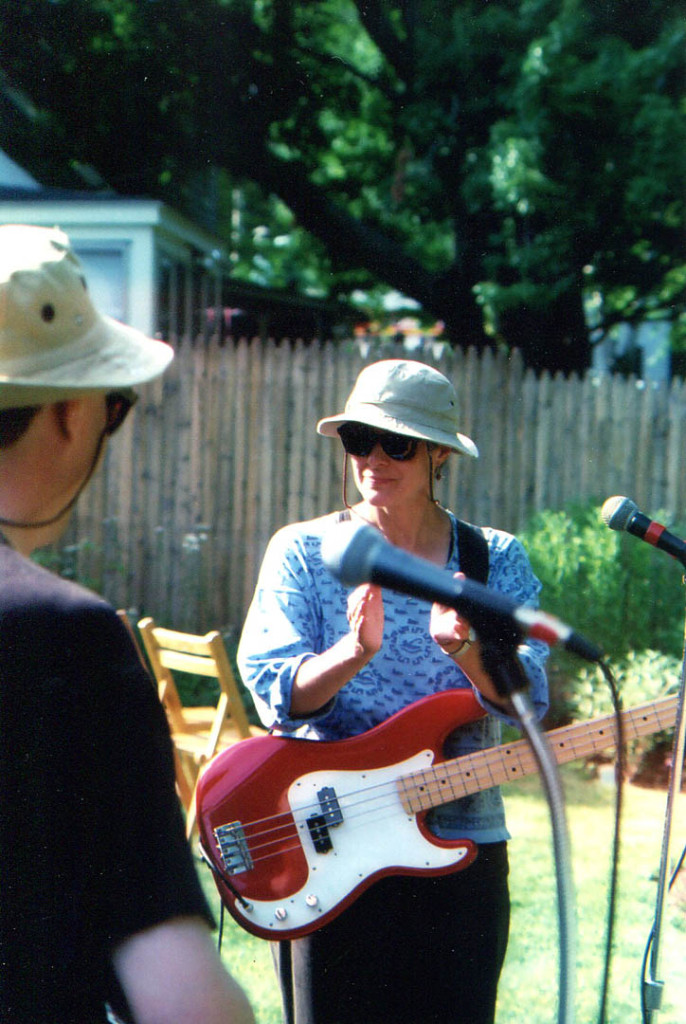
172	974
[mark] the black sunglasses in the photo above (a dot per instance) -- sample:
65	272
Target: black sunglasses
119	404
360	440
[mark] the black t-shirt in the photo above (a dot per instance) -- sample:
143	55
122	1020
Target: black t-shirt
92	843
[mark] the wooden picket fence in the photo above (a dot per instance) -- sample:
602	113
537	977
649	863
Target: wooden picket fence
223	451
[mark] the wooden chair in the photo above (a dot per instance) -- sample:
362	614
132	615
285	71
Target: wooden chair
198	733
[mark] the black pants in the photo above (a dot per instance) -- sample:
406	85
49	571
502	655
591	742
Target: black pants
408	951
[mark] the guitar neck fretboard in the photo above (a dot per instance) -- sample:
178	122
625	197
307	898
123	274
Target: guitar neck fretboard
471	773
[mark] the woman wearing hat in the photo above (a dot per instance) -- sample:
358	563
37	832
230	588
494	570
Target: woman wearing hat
325	662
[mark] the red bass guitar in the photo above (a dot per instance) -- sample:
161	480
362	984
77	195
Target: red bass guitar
294	830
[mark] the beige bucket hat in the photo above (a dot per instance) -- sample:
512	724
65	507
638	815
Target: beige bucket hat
53	342
405	397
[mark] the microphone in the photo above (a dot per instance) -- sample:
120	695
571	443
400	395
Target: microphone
359	554
621	513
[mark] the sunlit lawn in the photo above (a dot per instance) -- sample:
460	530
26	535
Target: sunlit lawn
528	990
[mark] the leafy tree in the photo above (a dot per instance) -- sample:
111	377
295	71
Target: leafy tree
496	161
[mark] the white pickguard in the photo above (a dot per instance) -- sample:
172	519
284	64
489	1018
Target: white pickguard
376	833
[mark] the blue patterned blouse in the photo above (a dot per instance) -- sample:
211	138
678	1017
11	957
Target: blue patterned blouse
299	610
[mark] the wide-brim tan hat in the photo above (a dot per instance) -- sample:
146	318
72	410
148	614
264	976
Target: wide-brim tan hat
53	342
405	397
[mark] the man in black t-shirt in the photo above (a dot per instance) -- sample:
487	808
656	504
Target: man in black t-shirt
101	913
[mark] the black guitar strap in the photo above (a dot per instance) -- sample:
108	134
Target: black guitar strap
473	549
471	544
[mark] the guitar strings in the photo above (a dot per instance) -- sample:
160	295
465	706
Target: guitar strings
290	823
285	821
437	775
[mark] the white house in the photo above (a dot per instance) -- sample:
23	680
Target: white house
145	264
155	269
643	351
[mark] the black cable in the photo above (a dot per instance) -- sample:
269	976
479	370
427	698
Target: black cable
220	936
649	943
215	869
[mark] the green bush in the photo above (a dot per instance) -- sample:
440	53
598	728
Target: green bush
642	677
619	592
612	587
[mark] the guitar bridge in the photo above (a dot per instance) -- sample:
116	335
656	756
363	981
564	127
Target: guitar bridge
233	847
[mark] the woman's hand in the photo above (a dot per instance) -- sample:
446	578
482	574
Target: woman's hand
454	636
448	629
366	617
320	678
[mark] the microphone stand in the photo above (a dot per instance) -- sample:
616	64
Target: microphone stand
499	657
653	988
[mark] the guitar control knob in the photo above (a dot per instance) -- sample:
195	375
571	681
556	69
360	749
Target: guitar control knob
311	900
280	913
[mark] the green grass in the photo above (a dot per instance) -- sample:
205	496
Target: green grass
528	988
